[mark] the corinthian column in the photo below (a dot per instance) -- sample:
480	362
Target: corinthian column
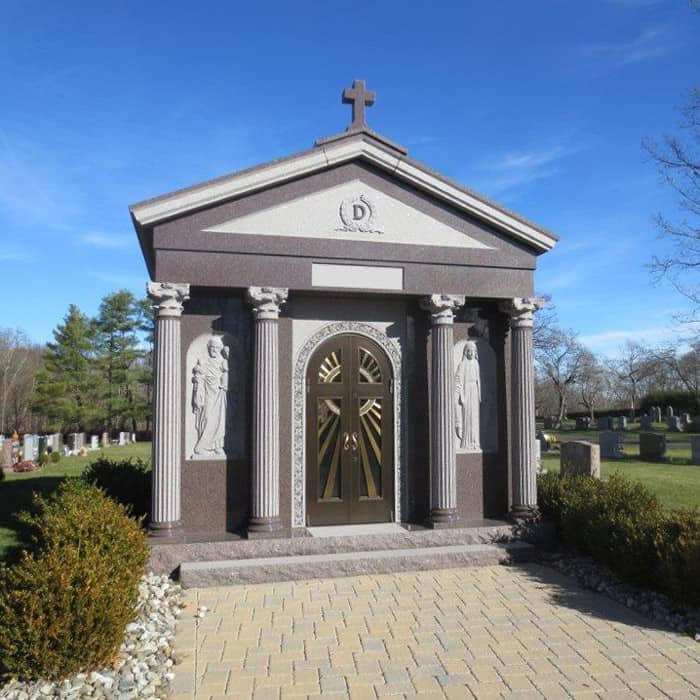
521	313
443	471
265	505
167	406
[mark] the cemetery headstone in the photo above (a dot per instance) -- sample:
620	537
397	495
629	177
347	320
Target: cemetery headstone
603	423
694	426
105	439
82	440
621	423
580	458
674	424
669	411
646	423
538	455
31	447
122	439
94	442
583	423
42	444
695	449
133	437
610	444
7	454
652	446
656	414
685	419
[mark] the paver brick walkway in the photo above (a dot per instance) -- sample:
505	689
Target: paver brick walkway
518	632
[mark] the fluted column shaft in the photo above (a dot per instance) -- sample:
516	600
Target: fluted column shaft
443	460
265	499
524	491
167	407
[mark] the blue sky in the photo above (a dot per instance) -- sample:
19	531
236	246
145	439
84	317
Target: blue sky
542	106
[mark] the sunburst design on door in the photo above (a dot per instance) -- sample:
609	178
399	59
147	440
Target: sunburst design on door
370	371
371	447
331	368
329	448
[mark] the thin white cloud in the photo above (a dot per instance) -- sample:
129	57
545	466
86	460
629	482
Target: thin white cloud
612	343
134	282
651	43
515	169
110	241
35	188
23	256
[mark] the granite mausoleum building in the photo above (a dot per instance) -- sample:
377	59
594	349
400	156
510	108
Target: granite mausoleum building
343	336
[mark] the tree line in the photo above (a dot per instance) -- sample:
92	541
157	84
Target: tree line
570	378
96	374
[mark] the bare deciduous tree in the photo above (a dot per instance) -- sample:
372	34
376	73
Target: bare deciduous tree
678	162
18	364
559	358
630	371
591	382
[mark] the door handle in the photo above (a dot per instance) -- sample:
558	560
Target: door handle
346	441
355	441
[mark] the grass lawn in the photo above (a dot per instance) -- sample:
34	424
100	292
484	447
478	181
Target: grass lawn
17	489
675	482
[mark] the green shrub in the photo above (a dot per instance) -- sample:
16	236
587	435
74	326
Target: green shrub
44	459
65	604
621	524
127	481
55	456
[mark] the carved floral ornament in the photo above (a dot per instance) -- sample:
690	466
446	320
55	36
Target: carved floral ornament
266	301
521	310
442	307
168	297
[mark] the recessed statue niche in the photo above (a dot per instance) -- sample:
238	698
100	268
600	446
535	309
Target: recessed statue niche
214	398
476	428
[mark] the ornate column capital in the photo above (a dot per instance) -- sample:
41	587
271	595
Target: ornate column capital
266	301
168	297
442	307
521	310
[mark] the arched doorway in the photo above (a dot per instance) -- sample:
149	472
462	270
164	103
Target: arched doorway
349	433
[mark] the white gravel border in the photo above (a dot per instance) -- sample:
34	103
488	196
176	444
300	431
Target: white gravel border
144	668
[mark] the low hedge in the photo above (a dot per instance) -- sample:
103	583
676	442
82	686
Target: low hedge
127	481
621	524
65	604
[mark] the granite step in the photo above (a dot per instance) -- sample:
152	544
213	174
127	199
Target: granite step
199	574
167	555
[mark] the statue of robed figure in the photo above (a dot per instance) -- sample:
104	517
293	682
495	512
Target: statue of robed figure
468	399
210	398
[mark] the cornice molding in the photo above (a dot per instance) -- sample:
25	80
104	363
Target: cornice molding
339	152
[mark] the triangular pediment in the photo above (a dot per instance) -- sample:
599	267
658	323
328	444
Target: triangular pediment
352	211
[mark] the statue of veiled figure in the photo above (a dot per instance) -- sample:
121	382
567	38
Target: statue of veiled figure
210	398
468	399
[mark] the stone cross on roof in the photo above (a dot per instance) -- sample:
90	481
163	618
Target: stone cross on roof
358	97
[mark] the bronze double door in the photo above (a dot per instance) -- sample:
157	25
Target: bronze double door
349	433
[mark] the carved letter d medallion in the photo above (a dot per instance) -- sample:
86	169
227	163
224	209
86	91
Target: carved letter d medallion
358	215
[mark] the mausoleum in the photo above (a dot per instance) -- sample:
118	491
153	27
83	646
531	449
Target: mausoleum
343	336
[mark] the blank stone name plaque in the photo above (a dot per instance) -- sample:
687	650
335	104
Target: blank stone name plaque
356	276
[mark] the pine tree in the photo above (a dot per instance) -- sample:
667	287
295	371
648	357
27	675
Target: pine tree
66	388
147	326
117	357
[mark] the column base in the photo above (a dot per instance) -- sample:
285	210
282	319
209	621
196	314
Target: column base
524	514
171	529
261	528
443	518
